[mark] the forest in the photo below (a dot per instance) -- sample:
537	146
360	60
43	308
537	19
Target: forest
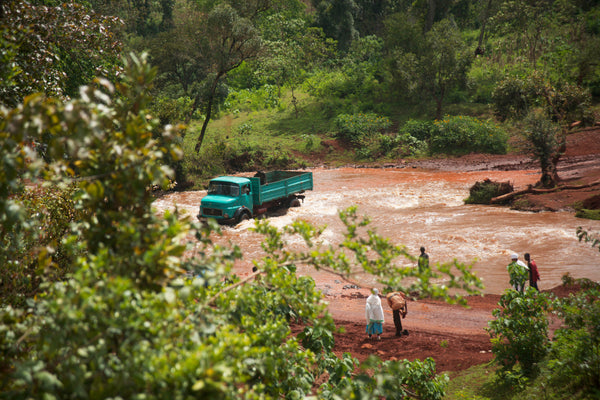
263	84
104	101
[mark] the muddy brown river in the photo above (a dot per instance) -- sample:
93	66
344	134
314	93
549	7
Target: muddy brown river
425	208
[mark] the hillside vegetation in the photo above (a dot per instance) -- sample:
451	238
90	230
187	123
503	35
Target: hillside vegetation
270	84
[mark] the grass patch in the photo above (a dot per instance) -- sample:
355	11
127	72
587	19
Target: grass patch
588	214
471	383
480	382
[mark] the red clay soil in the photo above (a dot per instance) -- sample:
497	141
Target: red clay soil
454	336
579	165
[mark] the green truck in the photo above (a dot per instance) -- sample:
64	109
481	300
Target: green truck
231	199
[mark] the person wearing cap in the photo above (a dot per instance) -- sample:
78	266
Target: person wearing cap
518	273
397	302
534	275
374	313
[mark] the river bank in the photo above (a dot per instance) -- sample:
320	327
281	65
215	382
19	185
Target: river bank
455	336
421	202
578	166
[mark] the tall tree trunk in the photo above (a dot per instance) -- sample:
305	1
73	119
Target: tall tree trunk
209	106
430	15
480	50
550	178
438	108
295	102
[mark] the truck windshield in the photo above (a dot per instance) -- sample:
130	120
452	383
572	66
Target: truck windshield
224	189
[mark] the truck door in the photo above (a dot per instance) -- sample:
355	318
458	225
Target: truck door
246	197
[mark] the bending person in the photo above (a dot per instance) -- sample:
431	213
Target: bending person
397	302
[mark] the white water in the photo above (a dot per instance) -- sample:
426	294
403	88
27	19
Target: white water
419	208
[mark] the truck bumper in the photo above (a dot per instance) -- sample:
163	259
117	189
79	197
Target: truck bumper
222	221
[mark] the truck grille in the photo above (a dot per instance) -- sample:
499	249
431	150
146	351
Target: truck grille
212	212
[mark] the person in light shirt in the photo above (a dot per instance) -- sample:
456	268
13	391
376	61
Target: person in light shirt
518	273
374	314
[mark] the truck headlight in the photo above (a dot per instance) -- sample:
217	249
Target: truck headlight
226	215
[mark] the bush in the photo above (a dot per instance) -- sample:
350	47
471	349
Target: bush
462	135
588	214
418	129
357	128
244	100
483	192
513	97
520	330
51	212
575	353
324	85
482	79
171	111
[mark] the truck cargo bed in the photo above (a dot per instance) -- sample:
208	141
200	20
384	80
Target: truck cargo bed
279	184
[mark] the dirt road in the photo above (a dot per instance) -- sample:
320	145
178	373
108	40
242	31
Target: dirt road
454	336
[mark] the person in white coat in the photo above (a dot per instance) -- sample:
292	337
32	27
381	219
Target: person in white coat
374	313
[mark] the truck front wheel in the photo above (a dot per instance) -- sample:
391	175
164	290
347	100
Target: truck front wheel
243	217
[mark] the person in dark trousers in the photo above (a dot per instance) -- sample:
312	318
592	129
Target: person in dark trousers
397	302
534	275
423	260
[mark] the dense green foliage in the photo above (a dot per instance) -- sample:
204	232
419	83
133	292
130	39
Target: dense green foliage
575	351
531	365
359	128
48	49
463	135
131	316
50	213
97	297
520	330
483	192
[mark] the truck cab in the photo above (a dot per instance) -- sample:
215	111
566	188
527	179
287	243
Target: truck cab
228	199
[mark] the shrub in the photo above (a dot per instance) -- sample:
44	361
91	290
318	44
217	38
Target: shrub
418	129
171	111
324	85
482	192
513	97
265	97
357	128
519	331
575	353
385	145
463	135
482	79
51	212
588	214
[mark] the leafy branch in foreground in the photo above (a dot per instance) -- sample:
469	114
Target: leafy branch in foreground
584	235
136	316
365	251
